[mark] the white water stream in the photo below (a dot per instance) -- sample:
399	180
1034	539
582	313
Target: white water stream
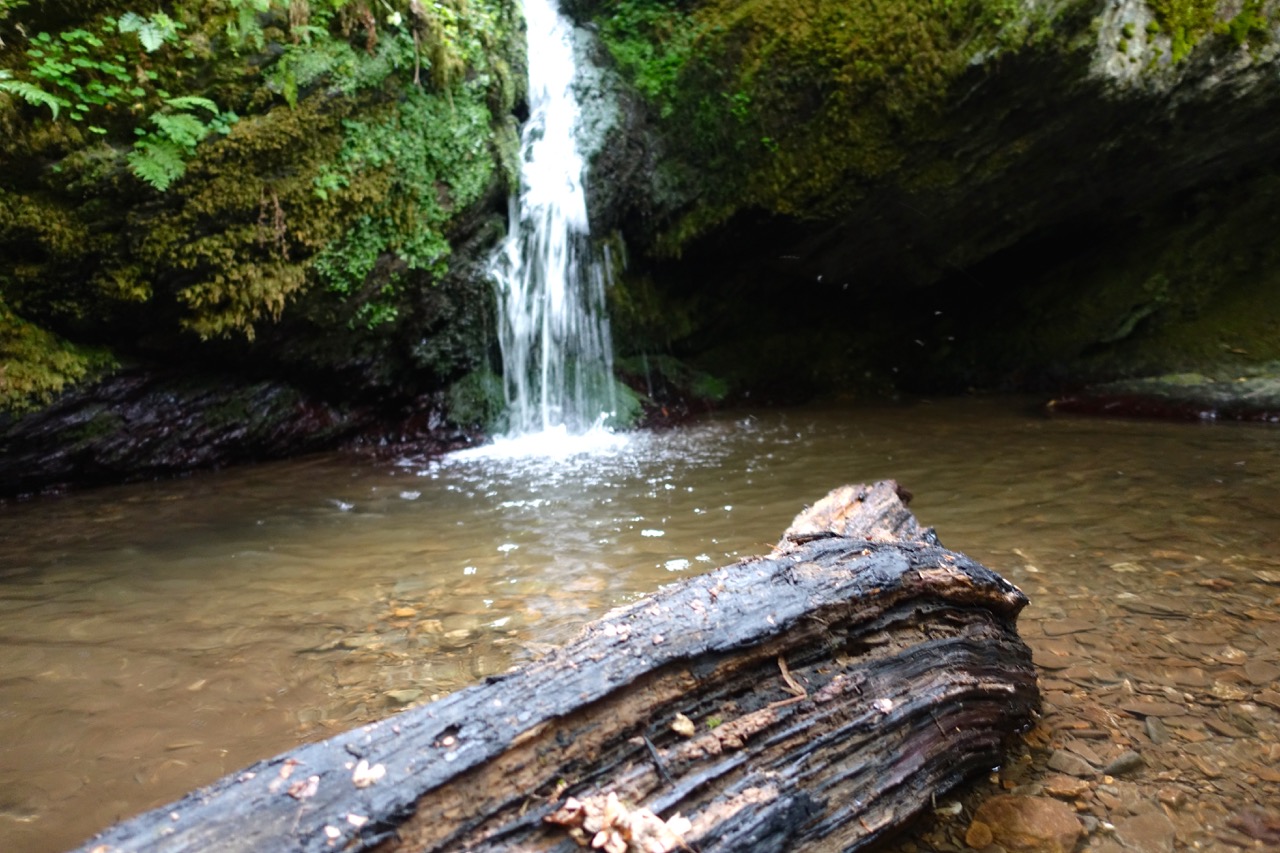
553	330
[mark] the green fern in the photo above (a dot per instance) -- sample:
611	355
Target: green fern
245	29
153	32
32	94
131	22
159	156
157	162
183	129
187	102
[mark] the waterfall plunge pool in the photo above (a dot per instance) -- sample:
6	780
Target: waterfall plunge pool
157	636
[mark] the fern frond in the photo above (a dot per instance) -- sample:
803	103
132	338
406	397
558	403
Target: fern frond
152	32
151	37
187	102
131	22
34	95
157	163
183	129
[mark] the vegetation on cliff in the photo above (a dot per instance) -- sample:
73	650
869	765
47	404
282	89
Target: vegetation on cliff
795	109
182	179
777	103
303	191
953	193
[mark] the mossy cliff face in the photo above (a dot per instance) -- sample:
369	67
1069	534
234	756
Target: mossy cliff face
252	190
943	194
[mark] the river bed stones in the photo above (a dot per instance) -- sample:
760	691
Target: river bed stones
1026	824
1161	722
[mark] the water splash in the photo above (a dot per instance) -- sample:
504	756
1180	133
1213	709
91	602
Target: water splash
557	353
555	444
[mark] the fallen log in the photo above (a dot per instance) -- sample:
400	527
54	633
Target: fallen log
813	699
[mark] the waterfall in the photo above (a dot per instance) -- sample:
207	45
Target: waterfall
557	354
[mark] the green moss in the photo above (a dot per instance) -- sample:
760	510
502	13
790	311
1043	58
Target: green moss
628	407
476	401
643	318
36	365
667	377
431	155
1251	25
1186	22
101	424
769	104
359	146
236	242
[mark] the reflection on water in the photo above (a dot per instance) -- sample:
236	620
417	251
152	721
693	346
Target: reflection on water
159	636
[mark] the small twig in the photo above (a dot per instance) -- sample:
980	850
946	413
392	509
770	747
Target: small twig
792	686
657	761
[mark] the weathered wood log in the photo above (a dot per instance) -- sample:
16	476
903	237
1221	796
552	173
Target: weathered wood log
816	698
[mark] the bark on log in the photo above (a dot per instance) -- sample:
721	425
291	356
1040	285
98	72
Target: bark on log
813	699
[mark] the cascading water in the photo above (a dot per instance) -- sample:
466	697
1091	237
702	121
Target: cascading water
557	354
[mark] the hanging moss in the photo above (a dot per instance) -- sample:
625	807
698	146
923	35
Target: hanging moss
238	233
328	150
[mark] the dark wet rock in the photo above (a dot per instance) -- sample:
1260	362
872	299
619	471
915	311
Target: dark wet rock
1028	824
992	245
136	425
1126	762
142	424
1184	396
1070	764
1259	824
1261	673
1156	730
1154	709
1147	833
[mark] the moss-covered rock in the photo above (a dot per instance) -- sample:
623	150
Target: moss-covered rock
317	149
139	424
253	190
867	195
36	365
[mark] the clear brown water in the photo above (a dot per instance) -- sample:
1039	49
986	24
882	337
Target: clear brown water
158	636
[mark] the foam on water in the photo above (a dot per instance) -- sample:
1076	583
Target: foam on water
555	443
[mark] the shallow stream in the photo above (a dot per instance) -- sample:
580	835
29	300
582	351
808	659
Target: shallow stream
158	636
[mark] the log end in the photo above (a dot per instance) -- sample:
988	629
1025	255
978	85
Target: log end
876	513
